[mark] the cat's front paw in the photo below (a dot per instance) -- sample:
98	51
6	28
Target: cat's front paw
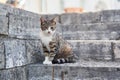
47	62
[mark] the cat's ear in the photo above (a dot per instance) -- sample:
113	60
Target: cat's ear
42	19
54	20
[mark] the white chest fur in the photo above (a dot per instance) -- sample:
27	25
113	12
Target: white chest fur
46	40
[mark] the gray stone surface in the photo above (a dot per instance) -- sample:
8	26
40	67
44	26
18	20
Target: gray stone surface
7	9
20	46
22	12
34	51
96	31
2	55
3	24
89	17
96	51
24	27
92	35
44	72
61	72
109	26
96	17
80	18
15	53
116	49
68	18
78	73
110	16
39	72
14	74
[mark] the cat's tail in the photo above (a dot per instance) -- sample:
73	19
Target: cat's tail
65	55
70	59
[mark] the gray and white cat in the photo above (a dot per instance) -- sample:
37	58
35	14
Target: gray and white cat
55	49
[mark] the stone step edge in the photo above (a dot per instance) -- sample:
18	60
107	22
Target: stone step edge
90	64
116	41
89	24
82	64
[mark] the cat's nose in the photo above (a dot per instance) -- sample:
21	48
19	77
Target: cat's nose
48	32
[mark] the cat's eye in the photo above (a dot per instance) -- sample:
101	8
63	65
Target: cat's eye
52	28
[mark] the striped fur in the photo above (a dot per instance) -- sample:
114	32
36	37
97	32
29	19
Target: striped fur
64	51
60	51
54	46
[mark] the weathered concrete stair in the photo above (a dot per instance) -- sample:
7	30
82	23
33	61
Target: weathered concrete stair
81	71
94	37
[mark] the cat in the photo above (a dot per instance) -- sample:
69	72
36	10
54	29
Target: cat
55	48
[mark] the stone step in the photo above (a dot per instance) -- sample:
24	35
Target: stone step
108	26
73	18
79	71
91	35
3	23
21	52
96	31
95	41
96	50
7	9
22	26
95	17
74	72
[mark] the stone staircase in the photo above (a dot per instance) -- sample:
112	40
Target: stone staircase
94	36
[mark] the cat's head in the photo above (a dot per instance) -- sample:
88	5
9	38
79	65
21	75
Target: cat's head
48	27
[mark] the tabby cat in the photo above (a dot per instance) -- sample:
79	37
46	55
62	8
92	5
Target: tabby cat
55	49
